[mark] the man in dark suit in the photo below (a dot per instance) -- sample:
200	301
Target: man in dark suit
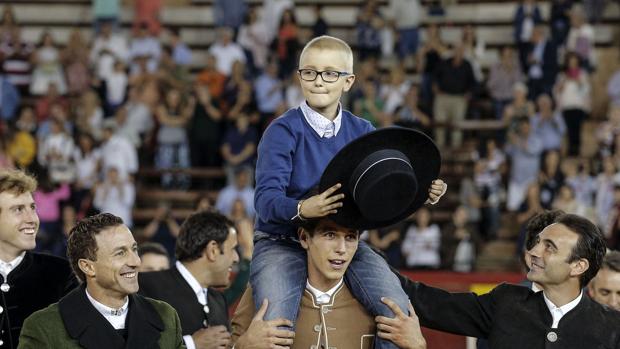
28	281
205	252
567	254
542	64
105	312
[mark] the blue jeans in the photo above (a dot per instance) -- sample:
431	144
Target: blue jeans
173	156
279	273
408	42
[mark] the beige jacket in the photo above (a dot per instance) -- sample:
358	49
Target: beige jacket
341	324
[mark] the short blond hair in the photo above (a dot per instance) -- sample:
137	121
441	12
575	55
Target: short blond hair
17	182
326	42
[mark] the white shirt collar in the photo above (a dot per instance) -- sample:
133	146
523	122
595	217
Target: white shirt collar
116	317
7	267
193	283
320	296
535	288
559	312
321	124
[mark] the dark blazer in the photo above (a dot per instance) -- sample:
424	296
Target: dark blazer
549	62
170	287
75	323
512	316
519	18
38	281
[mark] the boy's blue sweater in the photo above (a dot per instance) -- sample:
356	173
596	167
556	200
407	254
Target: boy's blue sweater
291	159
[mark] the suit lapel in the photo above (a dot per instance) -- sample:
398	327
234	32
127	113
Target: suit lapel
85	324
144	323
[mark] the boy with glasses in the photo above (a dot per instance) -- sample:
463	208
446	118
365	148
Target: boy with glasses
292	155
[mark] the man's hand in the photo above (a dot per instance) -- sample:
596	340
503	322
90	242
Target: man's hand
436	191
402	330
216	337
322	204
265	334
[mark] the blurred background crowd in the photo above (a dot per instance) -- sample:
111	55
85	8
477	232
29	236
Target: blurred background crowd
135	112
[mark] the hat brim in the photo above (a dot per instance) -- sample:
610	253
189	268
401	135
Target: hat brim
419	149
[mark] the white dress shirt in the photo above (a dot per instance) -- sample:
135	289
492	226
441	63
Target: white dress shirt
116	317
8	267
320	296
324	127
559	312
201	295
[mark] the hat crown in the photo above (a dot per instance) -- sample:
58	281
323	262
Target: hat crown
383	185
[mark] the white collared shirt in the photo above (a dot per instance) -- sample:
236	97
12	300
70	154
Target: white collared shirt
7	267
559	312
201	295
324	127
116	317
320	296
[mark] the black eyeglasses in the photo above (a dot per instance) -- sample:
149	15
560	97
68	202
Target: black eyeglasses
326	75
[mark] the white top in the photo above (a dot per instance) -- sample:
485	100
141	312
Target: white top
321	124
116	85
320	296
226	56
145	47
7	267
201	295
86	166
559	312
407	14
271	15
421	246
117	45
116	317
120	153
116	199
574	94
581	41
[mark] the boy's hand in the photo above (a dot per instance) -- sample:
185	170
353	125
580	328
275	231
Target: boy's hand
402	330
436	191
322	204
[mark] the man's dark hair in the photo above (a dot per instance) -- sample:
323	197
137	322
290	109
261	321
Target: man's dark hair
310	225
152	247
198	230
612	261
537	224
81	243
590	245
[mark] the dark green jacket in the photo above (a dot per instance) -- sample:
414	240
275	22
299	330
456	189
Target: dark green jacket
74	323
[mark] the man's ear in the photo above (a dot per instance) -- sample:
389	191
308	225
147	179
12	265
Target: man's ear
211	251
87	267
303	238
579	267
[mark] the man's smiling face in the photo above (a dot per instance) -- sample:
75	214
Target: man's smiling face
19	223
549	257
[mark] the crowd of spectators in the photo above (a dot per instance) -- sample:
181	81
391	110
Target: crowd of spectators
87	115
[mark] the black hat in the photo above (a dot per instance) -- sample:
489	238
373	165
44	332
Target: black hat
385	177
